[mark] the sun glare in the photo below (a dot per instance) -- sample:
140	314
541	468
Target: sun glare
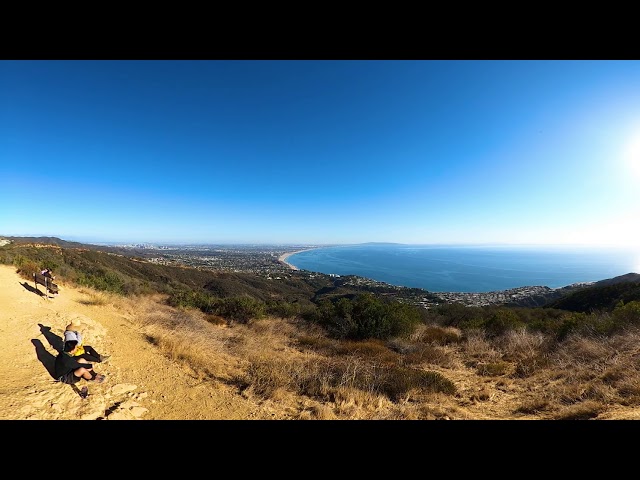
620	231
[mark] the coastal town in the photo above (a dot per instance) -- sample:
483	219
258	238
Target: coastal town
270	261
262	260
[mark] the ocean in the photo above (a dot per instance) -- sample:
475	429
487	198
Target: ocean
470	268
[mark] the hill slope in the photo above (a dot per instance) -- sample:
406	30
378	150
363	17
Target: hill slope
142	382
182	364
149	378
601	296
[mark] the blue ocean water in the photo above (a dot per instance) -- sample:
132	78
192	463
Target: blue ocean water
469	268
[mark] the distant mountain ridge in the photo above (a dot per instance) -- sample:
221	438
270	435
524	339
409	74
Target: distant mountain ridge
46	241
58	242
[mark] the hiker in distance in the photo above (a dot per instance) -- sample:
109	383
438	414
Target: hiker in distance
47	272
51	287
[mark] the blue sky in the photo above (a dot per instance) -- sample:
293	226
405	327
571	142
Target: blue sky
321	151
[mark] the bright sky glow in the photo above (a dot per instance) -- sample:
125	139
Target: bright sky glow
631	156
321	152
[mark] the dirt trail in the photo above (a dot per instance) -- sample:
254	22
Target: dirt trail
141	383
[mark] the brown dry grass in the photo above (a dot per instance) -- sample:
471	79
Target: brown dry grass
289	369
518	375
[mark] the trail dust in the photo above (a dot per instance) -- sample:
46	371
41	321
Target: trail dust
141	383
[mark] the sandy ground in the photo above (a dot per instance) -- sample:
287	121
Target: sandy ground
283	259
141	383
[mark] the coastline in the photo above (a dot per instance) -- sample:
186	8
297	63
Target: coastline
500	283
283	258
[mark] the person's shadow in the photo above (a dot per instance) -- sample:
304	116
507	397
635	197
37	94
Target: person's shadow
54	340
46	358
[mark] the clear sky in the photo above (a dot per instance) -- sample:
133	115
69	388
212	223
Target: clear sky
321	151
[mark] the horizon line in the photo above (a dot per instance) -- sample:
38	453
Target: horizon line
317	244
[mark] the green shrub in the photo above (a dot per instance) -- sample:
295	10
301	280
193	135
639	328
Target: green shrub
108	281
241	309
570	323
26	267
282	309
367	316
627	314
193	299
593	324
501	322
457	315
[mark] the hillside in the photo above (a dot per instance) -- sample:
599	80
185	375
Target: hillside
142	381
601	296
177	364
189	344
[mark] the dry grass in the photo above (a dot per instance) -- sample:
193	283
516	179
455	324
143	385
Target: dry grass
375	350
478	349
437	335
430	355
494	369
526	350
317	412
586	410
537	406
437	373
95	298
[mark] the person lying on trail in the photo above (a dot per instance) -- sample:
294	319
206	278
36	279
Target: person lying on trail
70	369
87	352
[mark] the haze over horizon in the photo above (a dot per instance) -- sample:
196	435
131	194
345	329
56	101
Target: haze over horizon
321	152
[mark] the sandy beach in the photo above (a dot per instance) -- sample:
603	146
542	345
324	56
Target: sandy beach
284	256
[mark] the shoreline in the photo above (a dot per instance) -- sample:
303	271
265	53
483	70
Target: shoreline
283	258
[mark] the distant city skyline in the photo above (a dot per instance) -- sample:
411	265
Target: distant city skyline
321	152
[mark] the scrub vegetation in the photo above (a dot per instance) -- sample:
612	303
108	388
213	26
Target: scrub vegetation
357	354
